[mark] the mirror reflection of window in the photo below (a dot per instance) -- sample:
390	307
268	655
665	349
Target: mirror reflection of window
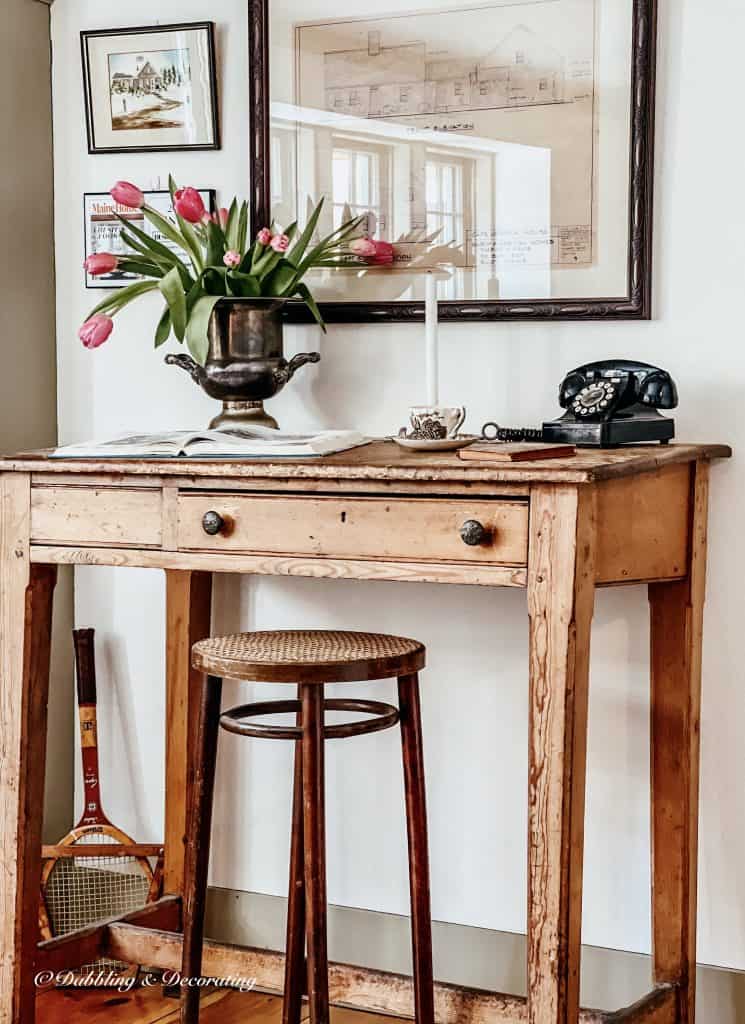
356	183
447	201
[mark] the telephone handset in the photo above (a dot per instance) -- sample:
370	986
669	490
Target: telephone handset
614	402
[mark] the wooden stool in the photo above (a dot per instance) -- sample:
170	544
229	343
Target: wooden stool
309	658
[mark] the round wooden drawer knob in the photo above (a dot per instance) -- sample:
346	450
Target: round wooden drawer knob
473	533
213	523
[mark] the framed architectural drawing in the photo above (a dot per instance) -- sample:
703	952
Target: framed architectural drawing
151	89
504	145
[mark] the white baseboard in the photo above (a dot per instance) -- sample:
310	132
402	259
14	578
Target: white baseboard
466	956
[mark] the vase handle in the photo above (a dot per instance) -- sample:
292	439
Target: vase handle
195	371
288	372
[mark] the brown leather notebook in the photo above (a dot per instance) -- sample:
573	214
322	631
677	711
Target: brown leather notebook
497	451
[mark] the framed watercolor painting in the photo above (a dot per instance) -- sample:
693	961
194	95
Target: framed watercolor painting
103	231
151	89
507	147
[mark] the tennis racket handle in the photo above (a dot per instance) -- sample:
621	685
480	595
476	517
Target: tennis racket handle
85	662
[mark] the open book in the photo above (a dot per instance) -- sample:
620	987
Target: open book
253	442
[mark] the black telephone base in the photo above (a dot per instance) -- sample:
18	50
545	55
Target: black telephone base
643	426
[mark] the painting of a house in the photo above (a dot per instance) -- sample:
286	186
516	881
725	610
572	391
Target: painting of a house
149	90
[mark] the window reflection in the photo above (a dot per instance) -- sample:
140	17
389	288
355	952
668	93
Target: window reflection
447	200
357	177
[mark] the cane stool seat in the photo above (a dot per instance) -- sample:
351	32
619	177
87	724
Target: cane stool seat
309	656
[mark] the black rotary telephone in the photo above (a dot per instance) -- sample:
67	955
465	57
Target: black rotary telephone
608	403
614	402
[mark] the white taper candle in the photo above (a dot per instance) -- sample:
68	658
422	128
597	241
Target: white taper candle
432	354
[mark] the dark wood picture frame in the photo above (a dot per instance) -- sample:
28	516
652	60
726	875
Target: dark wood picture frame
206	26
636	305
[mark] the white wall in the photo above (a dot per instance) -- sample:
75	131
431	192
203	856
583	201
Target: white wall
475	689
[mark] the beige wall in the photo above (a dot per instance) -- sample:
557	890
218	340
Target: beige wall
28	380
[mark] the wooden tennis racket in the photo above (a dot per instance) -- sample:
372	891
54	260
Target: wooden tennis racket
96	871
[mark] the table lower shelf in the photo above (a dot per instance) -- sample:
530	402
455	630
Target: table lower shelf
151	936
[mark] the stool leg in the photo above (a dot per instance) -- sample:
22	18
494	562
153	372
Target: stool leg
295	970
416	824
198	844
311	696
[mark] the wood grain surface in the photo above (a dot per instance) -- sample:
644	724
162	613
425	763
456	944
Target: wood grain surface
417	529
561	587
677	611
188	619
385	460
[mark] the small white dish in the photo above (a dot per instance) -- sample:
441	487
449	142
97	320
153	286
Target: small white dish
445	444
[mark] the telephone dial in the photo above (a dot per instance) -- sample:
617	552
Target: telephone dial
607	403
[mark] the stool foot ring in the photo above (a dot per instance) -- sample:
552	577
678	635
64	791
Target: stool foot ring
384	716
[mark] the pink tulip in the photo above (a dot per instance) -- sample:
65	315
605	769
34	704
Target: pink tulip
264	237
101	263
384	253
96	331
209	218
232	258
365	248
189	205
127	194
223	216
280	243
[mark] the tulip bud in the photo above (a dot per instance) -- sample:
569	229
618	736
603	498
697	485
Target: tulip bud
280	243
189	205
223	216
101	263
264	237
127	194
365	248
384	253
96	331
232	258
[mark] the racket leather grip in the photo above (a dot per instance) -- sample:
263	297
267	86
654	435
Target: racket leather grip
85	662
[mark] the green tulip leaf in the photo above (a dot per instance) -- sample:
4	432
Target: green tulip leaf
193	245
173	293
185	239
243	285
150	245
242	233
304	292
135	266
231	228
213	281
163	330
248	259
298	250
215	245
164	226
122	297
281	281
197	338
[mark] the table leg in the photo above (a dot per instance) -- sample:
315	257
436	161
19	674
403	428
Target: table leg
188	613
25	644
561	587
676	631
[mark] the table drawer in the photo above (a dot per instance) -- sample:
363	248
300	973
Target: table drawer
112	516
397	529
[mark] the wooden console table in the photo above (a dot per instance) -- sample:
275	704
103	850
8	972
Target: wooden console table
556	529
